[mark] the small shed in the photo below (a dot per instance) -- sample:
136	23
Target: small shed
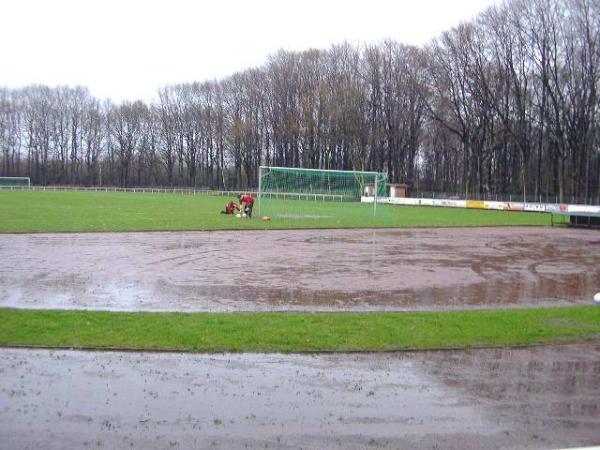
399	190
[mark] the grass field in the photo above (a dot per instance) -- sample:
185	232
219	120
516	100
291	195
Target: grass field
72	211
284	332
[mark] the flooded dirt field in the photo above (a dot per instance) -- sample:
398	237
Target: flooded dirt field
544	397
318	270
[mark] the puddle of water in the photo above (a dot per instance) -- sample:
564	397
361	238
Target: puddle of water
539	397
301	270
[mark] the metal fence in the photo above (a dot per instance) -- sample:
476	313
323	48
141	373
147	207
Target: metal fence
155	190
591	200
189	191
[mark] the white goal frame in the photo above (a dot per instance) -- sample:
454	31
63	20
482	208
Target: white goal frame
16	185
377	175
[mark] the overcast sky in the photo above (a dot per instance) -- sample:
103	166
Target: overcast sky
127	49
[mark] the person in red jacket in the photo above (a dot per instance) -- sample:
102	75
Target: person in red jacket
246	204
230	208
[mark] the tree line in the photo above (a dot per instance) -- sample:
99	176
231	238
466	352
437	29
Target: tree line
504	104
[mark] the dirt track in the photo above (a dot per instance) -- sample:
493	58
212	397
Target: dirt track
301	270
486	399
544	397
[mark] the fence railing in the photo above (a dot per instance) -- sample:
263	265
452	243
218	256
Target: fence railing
590	200
309	196
190	191
155	190
325	197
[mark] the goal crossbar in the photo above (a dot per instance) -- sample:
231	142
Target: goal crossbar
349	172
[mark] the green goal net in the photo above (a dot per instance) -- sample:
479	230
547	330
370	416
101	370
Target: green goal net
290	193
10	182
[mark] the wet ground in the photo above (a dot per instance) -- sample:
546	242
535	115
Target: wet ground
416	269
544	397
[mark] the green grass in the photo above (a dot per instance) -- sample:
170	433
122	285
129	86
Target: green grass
297	332
71	211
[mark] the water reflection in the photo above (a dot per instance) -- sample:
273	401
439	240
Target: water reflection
552	387
298	270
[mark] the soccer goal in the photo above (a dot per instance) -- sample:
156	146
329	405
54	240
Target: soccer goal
11	182
291	193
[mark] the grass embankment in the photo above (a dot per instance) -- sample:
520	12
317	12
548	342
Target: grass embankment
72	211
295	332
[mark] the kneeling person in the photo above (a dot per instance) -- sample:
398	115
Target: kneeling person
230	208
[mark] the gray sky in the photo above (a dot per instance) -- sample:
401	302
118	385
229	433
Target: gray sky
127	49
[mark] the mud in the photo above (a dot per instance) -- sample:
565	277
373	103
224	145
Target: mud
545	397
301	270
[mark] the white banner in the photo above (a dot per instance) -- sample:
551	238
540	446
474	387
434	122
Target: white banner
583	209
556	207
515	206
404	201
535	207
500	206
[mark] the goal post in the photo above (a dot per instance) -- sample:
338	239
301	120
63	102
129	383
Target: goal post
12	182
293	193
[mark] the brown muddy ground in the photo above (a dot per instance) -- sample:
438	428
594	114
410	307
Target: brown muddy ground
544	397
418	269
